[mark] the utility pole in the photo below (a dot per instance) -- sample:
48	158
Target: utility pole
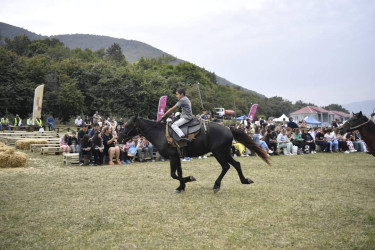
200	97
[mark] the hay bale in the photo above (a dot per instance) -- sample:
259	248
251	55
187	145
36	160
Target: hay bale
24	144
10	158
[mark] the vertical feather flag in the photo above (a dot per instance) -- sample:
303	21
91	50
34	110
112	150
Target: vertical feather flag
38	100
161	107
252	112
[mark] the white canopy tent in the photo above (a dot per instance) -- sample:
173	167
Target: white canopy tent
280	119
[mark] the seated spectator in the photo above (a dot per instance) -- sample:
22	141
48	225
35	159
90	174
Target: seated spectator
309	142
110	148
86	149
271	138
291	124
97	148
144	145
124	157
345	145
73	142
64	144
298	140
78	122
131	148
358	143
284	142
331	139
51	123
239	149
95	128
321	141
259	142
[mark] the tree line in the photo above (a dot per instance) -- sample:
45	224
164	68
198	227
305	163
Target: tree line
82	81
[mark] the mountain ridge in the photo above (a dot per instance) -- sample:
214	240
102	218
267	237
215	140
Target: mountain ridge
132	49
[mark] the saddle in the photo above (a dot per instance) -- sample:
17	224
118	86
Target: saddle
190	129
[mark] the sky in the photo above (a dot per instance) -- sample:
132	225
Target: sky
317	51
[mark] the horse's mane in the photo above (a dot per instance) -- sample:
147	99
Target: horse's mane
371	126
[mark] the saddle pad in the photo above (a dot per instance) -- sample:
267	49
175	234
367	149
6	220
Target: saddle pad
188	128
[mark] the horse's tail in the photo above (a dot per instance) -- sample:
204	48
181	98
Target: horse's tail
240	136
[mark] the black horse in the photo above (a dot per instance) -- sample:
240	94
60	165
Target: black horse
216	139
366	128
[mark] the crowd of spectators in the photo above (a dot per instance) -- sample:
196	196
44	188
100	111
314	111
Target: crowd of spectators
96	143
291	138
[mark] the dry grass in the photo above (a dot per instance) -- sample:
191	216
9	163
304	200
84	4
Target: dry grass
322	201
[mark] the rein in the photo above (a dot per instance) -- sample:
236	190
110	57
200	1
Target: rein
360	125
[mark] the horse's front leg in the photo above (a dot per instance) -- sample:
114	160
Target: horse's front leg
175	164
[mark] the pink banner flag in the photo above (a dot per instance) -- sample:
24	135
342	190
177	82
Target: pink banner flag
161	107
252	112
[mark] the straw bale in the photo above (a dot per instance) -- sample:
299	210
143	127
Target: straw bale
10	158
25	143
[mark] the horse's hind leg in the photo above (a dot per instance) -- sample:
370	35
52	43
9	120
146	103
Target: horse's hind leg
237	166
225	167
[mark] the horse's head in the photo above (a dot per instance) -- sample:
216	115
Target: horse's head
353	123
130	130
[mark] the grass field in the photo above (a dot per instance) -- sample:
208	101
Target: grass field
321	201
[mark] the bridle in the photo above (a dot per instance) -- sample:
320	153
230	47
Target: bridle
139	131
358	126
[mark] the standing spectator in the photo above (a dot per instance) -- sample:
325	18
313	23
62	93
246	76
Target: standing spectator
64	144
88	122
30	122
39	122
4	123
97	148
109	146
73	142
51	123
244	122
291	124
100	123
17	121
284	142
96	117
78	122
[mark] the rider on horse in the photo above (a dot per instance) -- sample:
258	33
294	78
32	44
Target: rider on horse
186	113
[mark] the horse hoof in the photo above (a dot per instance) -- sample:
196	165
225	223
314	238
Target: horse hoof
192	178
216	190
177	191
249	181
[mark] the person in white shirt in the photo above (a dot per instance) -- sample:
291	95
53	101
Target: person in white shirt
78	121
284	142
